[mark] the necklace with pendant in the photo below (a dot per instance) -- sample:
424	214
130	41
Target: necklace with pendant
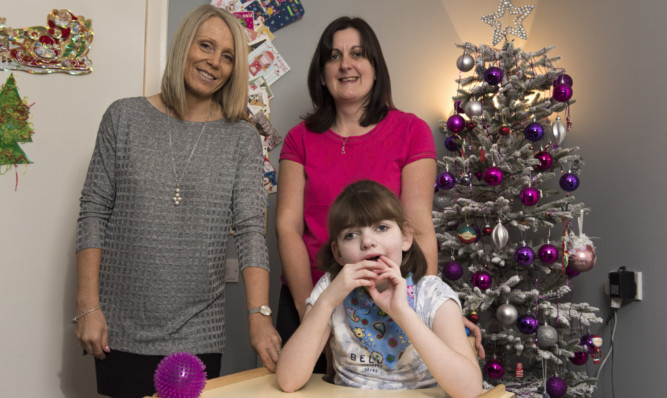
177	198
342	149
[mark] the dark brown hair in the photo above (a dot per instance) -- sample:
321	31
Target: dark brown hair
379	103
365	203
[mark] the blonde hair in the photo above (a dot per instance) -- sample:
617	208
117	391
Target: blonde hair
233	95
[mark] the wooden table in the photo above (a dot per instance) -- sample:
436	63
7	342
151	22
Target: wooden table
260	383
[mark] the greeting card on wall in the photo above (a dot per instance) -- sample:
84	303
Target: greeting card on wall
60	46
266	61
15	127
282	12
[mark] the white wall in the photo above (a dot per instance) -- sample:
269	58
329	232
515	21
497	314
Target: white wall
613	49
40	356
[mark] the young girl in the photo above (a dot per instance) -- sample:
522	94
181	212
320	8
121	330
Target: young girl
391	326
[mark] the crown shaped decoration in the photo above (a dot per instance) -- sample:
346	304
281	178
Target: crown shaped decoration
61	46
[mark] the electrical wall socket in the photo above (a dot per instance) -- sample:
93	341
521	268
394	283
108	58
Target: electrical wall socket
625	285
231	270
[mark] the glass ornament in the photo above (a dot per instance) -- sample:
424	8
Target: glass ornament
465	62
548	253
456	123
546	160
534	131
493	75
481	280
527	324
529	196
569	182
524	255
493	176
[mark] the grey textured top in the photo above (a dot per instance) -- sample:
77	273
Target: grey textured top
162	271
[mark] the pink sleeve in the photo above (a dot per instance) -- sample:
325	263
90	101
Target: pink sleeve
421	143
293	147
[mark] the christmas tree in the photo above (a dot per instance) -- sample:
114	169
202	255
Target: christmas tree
15	127
504	214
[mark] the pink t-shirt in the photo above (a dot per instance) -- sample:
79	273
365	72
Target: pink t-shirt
380	155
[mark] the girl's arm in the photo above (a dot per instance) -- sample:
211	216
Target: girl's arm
445	349
298	356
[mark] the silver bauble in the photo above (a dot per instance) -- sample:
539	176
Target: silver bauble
465	62
546	336
500	236
507	314
559	131
440	200
473	108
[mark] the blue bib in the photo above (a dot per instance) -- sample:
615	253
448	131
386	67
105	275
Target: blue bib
382	337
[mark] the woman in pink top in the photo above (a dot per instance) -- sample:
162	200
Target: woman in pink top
354	132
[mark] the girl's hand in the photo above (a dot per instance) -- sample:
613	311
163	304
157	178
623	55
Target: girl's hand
364	273
394	298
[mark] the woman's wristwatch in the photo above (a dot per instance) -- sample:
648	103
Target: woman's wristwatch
262	309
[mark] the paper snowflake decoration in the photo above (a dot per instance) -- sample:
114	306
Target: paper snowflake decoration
517	30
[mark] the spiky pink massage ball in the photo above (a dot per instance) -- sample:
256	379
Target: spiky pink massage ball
180	375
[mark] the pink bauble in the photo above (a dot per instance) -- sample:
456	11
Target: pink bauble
548	253
562	92
493	176
529	196
546	160
482	280
494	369
579	358
456	123
581	260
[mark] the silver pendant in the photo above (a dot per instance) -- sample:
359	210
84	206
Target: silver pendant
177	197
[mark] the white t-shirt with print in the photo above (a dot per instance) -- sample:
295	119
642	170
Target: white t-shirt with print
352	362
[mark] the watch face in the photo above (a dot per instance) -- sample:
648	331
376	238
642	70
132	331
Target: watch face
265	310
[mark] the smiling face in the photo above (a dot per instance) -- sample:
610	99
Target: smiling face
210	59
348	74
383	238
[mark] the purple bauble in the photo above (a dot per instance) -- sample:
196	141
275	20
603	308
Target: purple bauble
493	176
562	93
456	123
548	253
579	358
453	143
457	107
446	180
563	79
482	280
527	324
524	255
180	375
493	75
534	131
586	341
452	270
556	387
494	369
529	196
569	182
478	231
546	160
571	272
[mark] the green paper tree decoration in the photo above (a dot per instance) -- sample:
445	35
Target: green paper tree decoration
14	126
